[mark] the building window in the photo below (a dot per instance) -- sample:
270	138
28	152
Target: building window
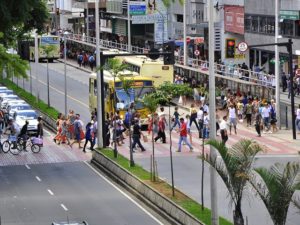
179	18
254	24
288	27
248	20
297	28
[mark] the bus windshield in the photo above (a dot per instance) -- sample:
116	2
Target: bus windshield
124	99
49	40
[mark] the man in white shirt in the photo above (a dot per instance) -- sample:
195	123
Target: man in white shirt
205	125
223	129
298	119
200	115
232	118
266	116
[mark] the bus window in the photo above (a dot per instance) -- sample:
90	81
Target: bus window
95	88
91	86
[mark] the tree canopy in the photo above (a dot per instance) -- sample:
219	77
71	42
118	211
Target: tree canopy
21	16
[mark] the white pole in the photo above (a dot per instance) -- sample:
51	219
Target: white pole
65	72
277	63
99	85
184	35
212	115
36	63
87	21
129	28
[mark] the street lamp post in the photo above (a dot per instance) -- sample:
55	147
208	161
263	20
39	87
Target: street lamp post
184	35
65	71
129	28
212	115
100	120
36	63
277	63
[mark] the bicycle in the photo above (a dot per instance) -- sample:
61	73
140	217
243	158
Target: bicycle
6	145
30	142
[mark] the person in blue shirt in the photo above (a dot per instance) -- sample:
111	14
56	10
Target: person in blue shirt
88	136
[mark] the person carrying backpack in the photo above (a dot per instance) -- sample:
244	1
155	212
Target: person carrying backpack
91	62
80	59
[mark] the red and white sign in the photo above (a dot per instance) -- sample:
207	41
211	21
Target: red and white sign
234	19
121	38
197	52
242	46
297	72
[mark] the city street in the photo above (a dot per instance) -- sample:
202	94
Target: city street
39	194
187	166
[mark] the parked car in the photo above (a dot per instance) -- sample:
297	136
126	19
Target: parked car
70	223
29	115
12	102
12	109
6	98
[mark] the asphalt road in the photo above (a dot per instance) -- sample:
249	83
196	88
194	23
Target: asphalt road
43	193
187	169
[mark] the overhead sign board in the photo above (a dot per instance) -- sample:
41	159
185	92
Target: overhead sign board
137	8
289	15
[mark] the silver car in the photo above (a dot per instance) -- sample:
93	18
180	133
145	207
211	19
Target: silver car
70	223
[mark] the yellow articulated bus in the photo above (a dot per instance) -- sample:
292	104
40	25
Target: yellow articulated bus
140	87
146	67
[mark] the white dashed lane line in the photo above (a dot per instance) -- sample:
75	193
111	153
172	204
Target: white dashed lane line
39	179
28	167
50	192
64	207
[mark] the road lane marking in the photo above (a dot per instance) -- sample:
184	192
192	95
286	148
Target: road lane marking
39	179
64	207
50	192
62	93
122	192
27	166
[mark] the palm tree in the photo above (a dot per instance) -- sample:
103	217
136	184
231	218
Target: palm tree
151	102
48	49
276	187
234	169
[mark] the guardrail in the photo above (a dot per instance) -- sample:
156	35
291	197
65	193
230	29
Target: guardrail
231	71
103	43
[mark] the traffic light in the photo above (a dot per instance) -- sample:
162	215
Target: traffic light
169	59
230	48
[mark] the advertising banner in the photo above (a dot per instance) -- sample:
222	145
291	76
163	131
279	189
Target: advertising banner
137	8
234	19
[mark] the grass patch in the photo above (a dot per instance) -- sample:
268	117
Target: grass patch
164	188
31	99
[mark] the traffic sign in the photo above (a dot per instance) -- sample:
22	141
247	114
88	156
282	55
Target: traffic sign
121	38
197	52
242	46
297	72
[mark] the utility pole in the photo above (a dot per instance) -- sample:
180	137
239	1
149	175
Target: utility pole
65	72
100	121
55	16
184	35
87	21
36	63
277	64
212	115
128	27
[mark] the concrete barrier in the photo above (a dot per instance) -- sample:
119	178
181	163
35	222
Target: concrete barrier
161	201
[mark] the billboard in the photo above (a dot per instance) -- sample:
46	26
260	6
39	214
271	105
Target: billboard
137	8
234	19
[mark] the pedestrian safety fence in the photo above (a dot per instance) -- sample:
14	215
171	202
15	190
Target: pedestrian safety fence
230	76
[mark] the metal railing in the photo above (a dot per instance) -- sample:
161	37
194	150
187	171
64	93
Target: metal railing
103	43
232	71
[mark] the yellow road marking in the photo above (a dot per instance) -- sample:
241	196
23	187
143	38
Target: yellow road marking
55	89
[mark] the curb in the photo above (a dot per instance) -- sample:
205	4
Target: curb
75	66
165	205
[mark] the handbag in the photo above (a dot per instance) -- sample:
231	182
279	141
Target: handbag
81	135
145	138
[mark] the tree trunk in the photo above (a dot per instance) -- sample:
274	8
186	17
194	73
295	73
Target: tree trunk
238	216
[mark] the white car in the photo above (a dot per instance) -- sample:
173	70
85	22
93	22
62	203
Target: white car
17	107
6	98
69	223
11	103
29	115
